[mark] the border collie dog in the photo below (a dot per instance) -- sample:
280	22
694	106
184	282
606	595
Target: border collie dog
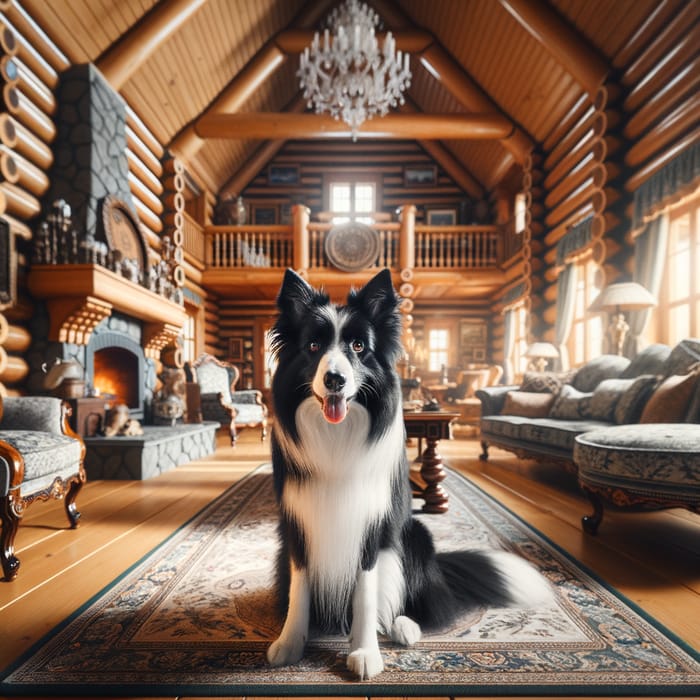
352	557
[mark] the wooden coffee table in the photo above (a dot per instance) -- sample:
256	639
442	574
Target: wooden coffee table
433	426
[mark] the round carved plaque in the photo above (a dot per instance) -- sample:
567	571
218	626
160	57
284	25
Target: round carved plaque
352	247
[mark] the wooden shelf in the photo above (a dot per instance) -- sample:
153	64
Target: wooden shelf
78	297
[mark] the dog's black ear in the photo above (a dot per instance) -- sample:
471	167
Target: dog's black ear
377	297
296	295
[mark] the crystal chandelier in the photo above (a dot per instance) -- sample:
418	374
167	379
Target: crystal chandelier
347	75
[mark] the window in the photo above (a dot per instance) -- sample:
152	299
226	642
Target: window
438	349
679	310
520	212
188	339
349	198
586	338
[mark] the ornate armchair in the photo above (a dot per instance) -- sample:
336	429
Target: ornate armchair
40	458
221	402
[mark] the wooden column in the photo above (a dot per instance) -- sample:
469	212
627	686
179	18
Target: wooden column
301	215
407	237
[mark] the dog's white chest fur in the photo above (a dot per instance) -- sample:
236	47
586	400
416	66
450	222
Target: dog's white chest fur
348	491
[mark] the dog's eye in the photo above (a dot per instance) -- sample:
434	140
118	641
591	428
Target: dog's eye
314	346
357	346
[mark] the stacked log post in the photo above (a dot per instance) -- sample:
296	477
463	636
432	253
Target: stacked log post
173	200
532	246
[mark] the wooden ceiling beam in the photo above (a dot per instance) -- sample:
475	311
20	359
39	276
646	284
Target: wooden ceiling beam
581	59
125	56
440	64
262	156
440	154
186	142
294	41
315	126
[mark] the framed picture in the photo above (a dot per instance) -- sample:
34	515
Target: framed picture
264	215
419	175
472	333
235	349
442	217
283	175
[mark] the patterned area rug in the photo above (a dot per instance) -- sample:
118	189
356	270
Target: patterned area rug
196	615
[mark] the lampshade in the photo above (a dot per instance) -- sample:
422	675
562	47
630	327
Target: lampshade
541	350
623	296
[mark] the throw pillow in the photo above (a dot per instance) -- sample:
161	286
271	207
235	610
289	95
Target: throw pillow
651	360
630	406
541	382
595	371
669	403
571	404
529	404
605	398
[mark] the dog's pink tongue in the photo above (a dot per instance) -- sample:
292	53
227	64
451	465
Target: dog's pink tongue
334	408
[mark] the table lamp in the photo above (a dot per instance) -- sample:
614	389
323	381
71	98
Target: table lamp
617	298
540	354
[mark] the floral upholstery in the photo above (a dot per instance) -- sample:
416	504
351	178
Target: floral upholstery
651	408
40	458
651	466
221	402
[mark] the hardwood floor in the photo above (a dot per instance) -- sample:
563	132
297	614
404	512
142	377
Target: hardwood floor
652	558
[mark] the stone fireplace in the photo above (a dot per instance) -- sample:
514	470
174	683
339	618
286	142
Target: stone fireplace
110	301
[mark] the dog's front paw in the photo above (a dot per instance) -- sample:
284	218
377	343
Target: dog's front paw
405	631
365	663
284	652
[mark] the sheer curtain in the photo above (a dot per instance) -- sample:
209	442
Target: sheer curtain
566	300
649	260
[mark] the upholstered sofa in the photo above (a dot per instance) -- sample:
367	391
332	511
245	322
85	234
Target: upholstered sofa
628	429
40	458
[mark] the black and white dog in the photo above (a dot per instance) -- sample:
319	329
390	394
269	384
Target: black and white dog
352	556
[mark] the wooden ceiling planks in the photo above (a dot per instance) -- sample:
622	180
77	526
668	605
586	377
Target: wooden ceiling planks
185	74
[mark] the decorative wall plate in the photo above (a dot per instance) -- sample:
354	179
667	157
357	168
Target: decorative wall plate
352	247
122	231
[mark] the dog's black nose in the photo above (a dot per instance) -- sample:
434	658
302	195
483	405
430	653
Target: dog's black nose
334	381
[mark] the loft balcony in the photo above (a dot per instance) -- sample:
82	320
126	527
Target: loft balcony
449	263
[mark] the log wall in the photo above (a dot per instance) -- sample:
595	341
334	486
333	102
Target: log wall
646	112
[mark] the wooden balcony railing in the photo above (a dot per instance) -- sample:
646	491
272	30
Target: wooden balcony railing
302	245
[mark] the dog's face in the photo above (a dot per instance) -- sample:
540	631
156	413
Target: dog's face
339	354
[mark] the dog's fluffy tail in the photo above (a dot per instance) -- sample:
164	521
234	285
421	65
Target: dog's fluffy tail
493	578
441	585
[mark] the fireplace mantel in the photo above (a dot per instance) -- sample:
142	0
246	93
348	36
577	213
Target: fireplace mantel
79	296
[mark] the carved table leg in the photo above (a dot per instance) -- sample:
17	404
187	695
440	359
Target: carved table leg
433	473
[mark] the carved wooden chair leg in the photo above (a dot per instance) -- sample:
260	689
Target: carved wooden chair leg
264	430
10	524
485	453
232	431
71	508
590	523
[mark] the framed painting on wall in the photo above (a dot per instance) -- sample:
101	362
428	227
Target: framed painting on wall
264	215
419	175
442	217
283	175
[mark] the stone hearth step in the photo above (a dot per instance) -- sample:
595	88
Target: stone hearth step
158	450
